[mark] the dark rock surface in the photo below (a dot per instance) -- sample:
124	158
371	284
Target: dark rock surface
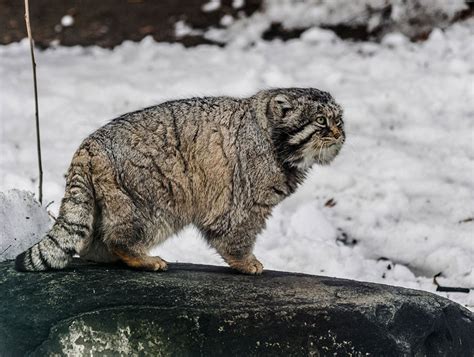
203	310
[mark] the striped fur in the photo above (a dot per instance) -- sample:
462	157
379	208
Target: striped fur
74	223
220	164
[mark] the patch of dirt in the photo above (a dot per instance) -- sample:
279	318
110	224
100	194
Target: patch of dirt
107	23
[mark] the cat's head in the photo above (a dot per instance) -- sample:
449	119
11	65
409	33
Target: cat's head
307	126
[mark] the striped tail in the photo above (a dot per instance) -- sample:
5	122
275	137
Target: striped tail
73	225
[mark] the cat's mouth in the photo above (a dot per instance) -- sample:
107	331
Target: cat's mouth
318	151
325	154
328	153
321	155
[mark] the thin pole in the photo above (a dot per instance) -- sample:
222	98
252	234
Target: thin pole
38	140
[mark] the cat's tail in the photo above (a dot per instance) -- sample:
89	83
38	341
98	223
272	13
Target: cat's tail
73	225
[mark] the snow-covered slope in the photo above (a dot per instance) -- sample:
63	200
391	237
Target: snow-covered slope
403	186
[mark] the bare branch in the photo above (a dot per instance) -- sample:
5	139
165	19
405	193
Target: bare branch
38	140
5	249
449	289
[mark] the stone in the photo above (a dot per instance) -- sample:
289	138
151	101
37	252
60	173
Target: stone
24	222
91	309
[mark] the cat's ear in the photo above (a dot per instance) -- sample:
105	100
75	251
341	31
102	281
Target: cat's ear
281	105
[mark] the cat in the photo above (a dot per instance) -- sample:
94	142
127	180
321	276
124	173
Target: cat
219	163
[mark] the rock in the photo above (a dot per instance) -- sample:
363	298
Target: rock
24	222
203	310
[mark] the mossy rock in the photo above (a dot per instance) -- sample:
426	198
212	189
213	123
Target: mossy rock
211	311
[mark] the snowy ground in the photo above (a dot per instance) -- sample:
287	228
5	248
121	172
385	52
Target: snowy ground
412	18
403	186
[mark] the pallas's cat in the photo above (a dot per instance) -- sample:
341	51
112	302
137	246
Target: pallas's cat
218	163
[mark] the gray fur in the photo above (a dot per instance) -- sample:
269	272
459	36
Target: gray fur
219	163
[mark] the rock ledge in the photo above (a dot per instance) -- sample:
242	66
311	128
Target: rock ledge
205	310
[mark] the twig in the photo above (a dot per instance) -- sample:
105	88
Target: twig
52	216
330	203
6	249
49	204
33	62
448	289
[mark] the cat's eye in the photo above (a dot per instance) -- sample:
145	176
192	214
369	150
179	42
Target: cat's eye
321	120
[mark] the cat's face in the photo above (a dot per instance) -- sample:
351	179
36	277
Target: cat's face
308	127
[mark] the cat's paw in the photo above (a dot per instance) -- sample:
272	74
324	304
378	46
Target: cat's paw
158	264
142	262
249	266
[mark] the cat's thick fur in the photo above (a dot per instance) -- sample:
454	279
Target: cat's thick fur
218	163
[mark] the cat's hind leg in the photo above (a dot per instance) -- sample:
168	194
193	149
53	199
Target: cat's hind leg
152	232
95	250
127	240
140	261
124	228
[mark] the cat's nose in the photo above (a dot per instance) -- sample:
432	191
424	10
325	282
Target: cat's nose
336	132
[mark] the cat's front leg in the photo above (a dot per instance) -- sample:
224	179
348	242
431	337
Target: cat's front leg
236	248
247	265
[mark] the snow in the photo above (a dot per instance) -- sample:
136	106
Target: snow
67	20
403	185
237	4
297	13
413	18
212	5
181	29
24	222
226	20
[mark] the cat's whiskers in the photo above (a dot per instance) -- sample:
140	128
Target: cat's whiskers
320	151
